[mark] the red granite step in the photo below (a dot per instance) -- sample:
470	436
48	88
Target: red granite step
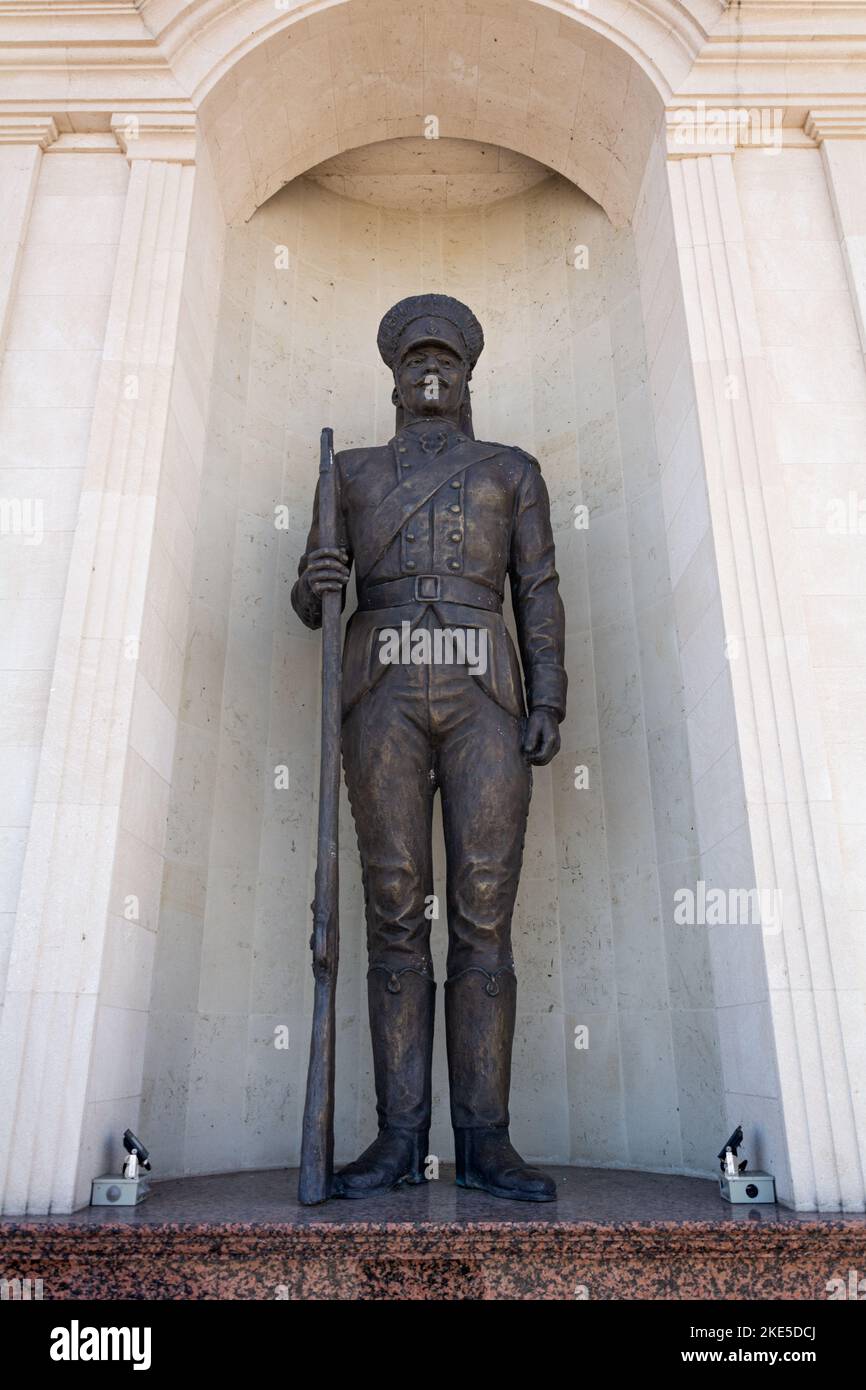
611	1235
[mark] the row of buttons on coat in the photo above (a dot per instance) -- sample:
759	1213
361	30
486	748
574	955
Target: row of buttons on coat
454	536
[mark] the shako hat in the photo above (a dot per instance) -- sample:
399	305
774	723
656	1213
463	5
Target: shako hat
430	318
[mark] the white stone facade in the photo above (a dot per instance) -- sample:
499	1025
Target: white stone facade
658	211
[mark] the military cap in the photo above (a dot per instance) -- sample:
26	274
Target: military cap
430	318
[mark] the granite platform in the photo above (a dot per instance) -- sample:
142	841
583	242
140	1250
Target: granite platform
610	1235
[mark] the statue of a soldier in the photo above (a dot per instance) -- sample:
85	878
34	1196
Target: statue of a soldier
434	521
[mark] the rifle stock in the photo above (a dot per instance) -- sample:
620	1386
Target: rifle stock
317	1140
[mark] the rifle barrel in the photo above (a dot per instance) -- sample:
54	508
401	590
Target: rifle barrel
317	1139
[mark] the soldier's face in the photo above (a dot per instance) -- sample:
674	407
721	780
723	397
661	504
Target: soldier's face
430	380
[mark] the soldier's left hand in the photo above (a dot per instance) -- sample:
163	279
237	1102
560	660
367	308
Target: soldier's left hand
541	739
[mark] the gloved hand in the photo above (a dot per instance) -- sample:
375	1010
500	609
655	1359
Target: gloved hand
541	740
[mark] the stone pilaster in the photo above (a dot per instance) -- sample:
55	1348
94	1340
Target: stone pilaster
22	140
814	995
73	1026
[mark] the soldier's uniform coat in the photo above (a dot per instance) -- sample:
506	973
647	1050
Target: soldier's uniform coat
436	523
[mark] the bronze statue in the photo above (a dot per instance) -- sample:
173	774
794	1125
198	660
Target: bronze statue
434	521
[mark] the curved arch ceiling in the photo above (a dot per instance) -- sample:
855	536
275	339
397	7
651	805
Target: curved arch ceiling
202	39
514	73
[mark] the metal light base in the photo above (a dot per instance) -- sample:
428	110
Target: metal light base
748	1189
112	1191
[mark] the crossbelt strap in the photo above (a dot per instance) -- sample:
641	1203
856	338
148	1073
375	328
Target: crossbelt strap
409	495
429	588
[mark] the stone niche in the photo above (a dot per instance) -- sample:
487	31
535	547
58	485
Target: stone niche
585	366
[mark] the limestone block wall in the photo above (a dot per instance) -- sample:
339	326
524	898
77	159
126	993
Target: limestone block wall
661	1029
723	966
566	375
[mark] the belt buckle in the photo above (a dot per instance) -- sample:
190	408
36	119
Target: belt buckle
422	581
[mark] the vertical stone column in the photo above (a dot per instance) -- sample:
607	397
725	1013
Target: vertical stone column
22	140
815	995
73	1024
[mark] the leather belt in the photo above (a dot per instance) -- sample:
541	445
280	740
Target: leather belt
429	588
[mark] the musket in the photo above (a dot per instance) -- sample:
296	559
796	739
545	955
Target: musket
317	1140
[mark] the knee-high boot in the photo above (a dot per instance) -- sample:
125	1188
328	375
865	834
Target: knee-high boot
401	1026
479	1024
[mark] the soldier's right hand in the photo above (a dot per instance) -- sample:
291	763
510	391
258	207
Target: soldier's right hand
327	570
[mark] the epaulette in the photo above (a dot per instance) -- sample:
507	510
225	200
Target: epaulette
509	449
528	457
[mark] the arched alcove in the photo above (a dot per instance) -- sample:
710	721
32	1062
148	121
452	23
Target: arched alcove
574	276
515	74
223	132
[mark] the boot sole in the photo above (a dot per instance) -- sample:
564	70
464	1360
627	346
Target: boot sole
505	1192
354	1195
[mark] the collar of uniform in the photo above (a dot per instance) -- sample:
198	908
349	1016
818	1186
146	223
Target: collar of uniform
408	439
